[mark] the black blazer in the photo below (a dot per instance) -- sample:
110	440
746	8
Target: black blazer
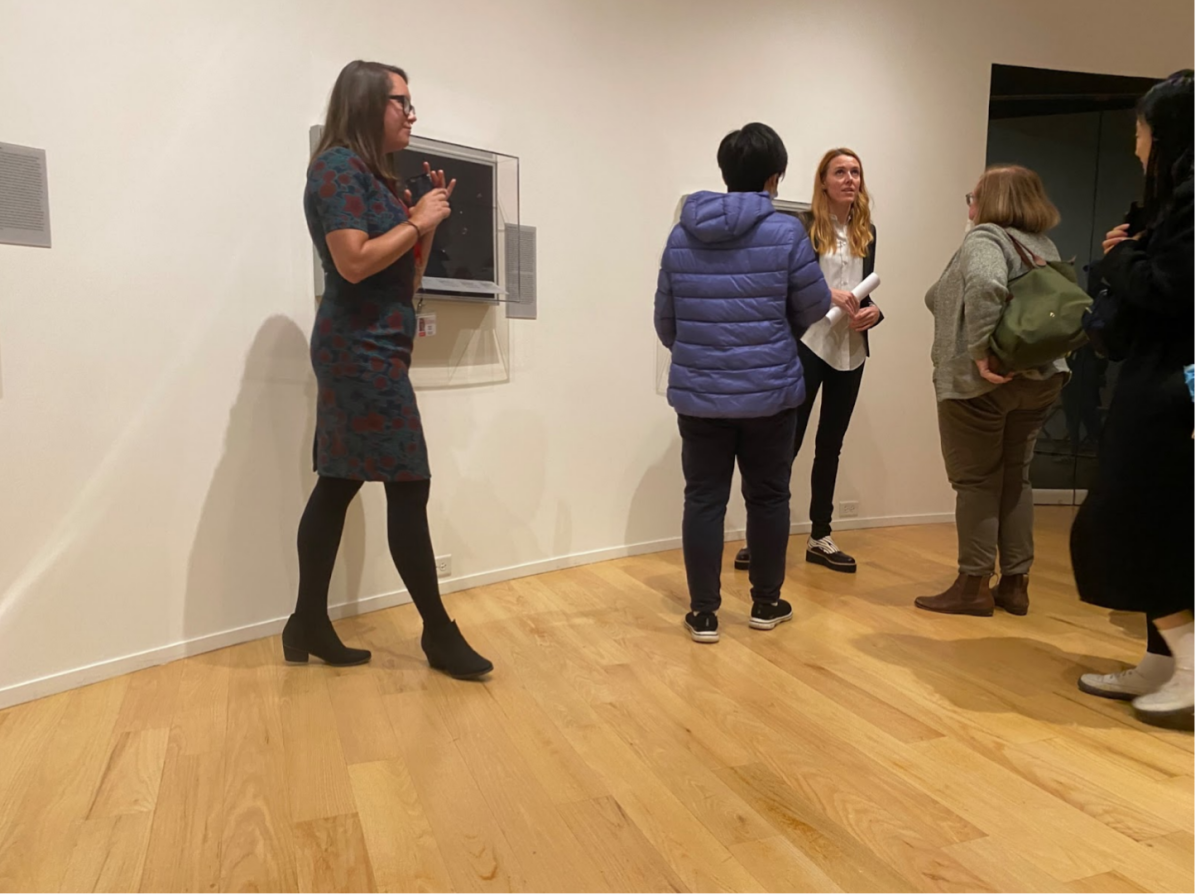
868	268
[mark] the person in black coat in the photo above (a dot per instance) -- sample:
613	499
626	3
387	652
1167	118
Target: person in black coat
1132	544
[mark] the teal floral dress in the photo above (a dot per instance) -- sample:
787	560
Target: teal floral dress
368	425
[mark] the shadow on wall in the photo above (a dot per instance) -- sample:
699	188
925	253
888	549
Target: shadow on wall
504	502
659	494
243	566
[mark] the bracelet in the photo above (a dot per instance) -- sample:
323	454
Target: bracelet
420	235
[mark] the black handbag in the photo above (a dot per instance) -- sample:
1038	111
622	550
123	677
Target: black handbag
1108	324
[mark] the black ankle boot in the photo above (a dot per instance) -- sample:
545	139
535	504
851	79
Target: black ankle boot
303	637
449	652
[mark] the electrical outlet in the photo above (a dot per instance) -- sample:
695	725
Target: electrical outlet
443	566
849	509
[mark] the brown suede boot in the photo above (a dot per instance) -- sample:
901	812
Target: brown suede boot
1012	594
969	595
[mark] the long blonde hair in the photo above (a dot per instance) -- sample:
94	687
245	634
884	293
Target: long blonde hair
822	233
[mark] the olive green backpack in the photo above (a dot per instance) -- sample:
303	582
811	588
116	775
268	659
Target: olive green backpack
1043	319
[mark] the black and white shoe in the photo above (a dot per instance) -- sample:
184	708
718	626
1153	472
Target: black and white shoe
741	562
703	626
768	616
825	553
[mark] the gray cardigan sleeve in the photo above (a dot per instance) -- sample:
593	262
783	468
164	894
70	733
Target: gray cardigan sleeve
985	285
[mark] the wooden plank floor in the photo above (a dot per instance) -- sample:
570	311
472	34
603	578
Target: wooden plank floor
862	747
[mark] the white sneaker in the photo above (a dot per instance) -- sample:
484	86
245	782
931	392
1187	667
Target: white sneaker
1171	705
1130	683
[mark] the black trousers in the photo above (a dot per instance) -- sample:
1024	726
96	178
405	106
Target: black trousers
1155	642
837	406
762	449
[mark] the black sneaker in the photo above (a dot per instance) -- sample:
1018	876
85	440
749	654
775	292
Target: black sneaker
703	626
825	553
741	562
768	616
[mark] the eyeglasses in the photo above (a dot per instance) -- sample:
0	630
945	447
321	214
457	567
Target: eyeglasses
405	104
970	199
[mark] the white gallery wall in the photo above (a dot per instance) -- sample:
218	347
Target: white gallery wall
155	393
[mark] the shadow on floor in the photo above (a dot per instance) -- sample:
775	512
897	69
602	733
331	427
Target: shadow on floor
1000	675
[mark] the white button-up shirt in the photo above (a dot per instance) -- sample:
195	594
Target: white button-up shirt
836	343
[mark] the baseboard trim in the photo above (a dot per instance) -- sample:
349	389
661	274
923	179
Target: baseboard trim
1059	497
109	668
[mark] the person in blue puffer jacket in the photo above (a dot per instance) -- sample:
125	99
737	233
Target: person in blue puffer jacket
739	285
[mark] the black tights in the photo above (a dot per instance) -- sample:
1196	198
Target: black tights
408	538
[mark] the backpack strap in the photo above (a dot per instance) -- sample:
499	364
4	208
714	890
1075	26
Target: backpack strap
1028	258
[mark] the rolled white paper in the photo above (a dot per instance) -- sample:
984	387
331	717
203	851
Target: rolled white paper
861	291
866	287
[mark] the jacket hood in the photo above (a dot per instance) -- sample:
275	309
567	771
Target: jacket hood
723	217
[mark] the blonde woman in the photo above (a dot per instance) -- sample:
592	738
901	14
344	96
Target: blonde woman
834	355
990	423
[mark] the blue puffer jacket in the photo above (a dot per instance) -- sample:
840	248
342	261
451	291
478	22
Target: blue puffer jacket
739	285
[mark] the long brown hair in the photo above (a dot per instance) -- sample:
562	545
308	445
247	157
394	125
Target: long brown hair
1013	196
355	116
822	233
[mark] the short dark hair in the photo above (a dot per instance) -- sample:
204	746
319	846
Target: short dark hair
1168	109
750	157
